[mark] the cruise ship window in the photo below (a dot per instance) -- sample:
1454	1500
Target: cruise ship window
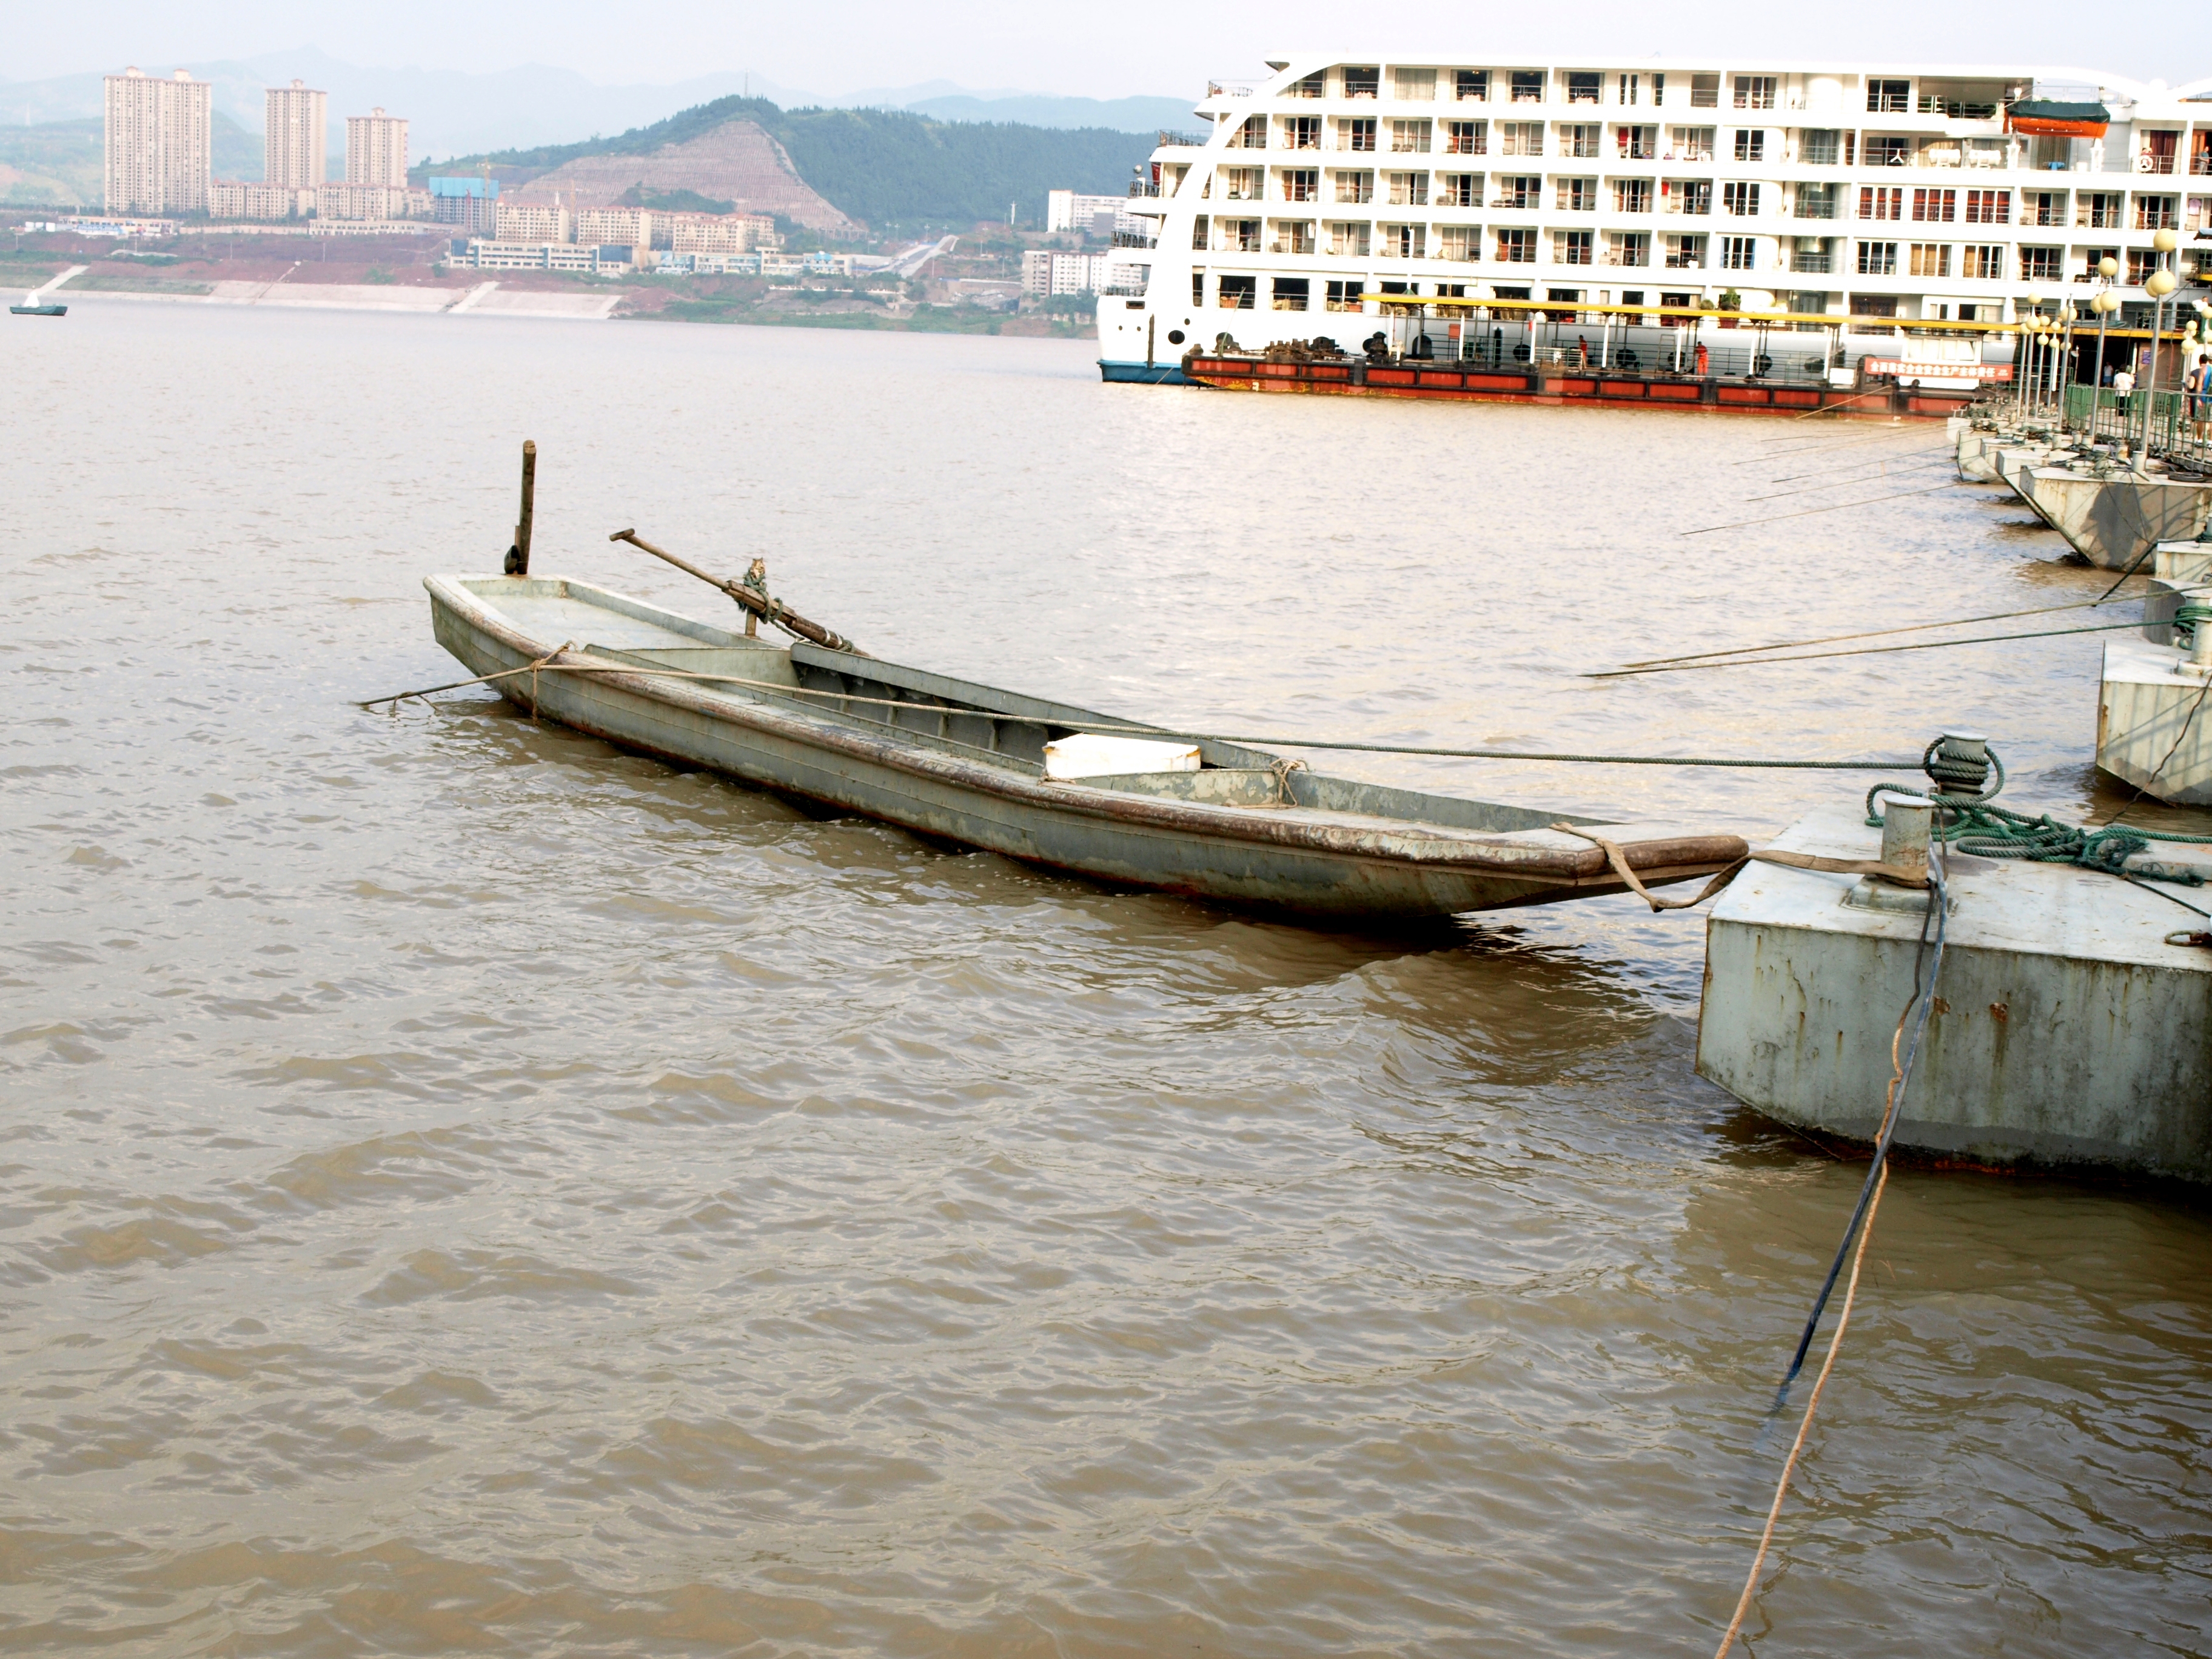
1520	137
1877	259
1989	207
1820	147
1313	86
1578	195
1459	190
2098	210
1346	296
1292	236
1517	193
1690	145
1632	196
1253	135
1635	143
1240	183
1686	195
1704	91
1404	241
1685	252
1409	138
1572	247
1347	239
1887	151
1938	207
1471	86
1516	248
1629	90
1582	86
1300	184
1199	233
2043	207
1876	202
1931	258
1460	242
2156	212
1754	91
1579	140
1751	143
1889	97
1740	199
1240	235
1628	247
2141	262
1985	262
1415	86
1528	85
1302	132
1291	292
1362	82
1357	134
1239	293
1466	137
1355	187
1816	201
1739	252
1409	190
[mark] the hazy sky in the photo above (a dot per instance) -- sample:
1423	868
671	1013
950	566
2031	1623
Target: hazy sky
1130	46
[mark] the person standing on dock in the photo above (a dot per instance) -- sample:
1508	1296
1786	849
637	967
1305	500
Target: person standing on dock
1702	356
2124	382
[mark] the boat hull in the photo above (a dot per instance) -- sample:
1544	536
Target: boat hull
1318	864
38	311
1142	374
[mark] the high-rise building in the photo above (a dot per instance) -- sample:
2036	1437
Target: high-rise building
471	204
376	149
159	139
296	141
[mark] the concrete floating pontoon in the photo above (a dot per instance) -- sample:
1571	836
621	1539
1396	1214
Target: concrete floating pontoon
2067	1030
2153	710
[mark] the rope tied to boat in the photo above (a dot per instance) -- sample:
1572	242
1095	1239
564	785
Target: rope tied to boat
1619	859
1282	767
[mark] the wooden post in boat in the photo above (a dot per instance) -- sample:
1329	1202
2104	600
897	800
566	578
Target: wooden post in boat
518	556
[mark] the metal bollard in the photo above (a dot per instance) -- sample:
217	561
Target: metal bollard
1906	824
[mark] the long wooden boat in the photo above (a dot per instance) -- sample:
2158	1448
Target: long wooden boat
964	763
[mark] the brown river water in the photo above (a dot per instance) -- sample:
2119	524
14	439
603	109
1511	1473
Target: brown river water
469	1190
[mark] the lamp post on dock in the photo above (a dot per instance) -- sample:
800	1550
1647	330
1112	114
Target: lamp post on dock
2159	283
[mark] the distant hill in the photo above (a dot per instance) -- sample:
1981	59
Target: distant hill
58	163
457	112
883	167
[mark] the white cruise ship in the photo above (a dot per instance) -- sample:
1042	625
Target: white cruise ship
1342	197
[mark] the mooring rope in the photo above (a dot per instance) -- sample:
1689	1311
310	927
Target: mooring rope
1871	501
1909	628
545	665
1863	651
1862	1224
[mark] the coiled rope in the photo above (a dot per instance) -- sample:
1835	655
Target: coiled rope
1965	784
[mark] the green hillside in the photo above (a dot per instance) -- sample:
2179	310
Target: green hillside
884	167
58	164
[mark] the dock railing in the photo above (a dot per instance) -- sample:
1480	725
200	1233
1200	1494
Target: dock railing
2121	419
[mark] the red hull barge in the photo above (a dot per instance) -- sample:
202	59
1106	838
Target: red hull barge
1475	382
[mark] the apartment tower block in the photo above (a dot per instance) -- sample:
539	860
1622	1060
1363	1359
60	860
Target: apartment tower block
296	153
159	145
376	149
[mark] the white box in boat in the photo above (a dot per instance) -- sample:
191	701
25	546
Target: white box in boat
1086	755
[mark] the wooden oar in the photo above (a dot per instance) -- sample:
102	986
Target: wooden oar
756	600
